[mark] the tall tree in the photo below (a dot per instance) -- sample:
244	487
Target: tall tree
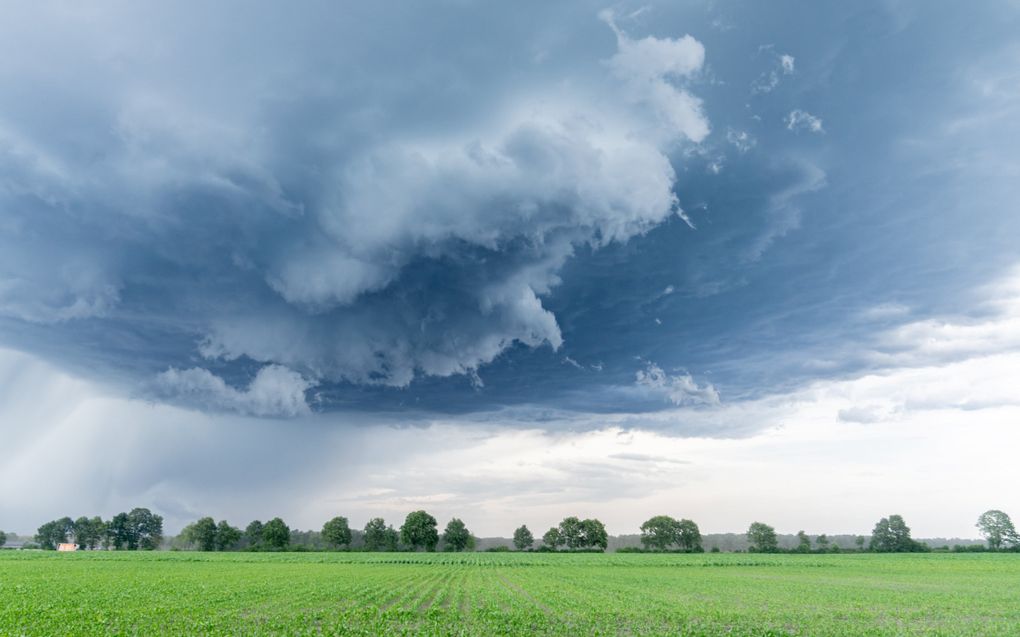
660	532
572	533
456	536
276	534
552	538
337	532
689	536
227	536
523	539
253	534
147	528
803	542
419	531
201	533
762	538
892	535
121	533
375	535
593	534
997	528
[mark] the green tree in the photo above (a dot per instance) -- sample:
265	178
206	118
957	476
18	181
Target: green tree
593	534
253	534
552	538
822	542
523	539
803	542
337	532
201	533
689	536
55	532
276	534
88	532
997	528
392	539
456	537
375	535
891	535
227	536
121	533
660	532
859	541
762	538
572	533
3	538
419	531
146	529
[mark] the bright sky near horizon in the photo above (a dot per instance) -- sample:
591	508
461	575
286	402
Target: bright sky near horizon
712	259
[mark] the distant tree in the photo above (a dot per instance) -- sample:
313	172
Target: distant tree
997	528
419	531
55	532
762	538
253	533
891	535
822	542
88	532
3	538
572	533
147	528
121	533
456	536
523	539
201	533
593	534
276	534
375	535
552	538
859	541
803	542
227	536
689	536
337	532
392	539
660	532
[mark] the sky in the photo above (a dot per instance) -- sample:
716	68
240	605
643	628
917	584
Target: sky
729	261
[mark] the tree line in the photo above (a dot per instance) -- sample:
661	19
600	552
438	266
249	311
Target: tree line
140	529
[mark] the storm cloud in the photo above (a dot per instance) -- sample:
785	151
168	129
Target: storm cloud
292	207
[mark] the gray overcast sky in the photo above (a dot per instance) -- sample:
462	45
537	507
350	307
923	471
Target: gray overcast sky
721	260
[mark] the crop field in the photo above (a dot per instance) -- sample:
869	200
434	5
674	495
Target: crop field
507	594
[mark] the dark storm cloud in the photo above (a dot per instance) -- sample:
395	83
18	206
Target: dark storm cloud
283	190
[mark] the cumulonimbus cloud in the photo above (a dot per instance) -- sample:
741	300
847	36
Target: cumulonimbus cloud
331	246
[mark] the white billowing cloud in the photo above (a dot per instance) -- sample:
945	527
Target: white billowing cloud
786	62
648	65
275	391
799	120
680	389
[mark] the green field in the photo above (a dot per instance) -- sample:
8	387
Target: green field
507	594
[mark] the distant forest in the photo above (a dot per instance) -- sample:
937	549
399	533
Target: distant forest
140	529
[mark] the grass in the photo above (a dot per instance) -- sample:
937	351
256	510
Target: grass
507	594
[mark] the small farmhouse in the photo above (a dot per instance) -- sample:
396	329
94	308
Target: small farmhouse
67	547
